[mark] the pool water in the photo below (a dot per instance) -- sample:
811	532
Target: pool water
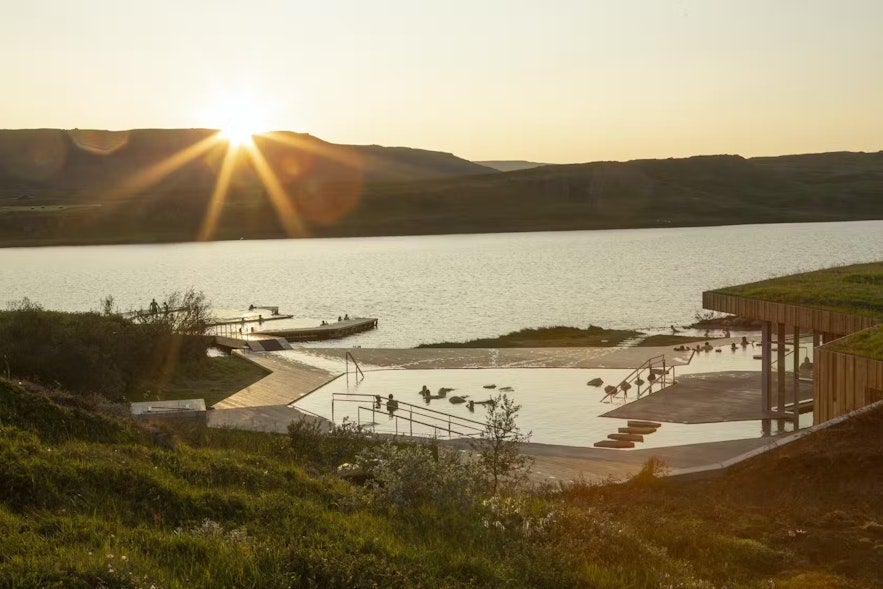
557	406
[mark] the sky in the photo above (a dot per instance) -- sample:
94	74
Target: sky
555	81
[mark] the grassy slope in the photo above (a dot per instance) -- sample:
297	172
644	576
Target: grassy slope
811	512
213	380
856	289
87	499
863	343
546	337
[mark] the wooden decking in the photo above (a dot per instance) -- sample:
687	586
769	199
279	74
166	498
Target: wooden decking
287	382
335	330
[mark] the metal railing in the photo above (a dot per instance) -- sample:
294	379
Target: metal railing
404	415
358	369
656	373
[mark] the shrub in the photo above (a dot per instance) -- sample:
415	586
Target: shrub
499	447
411	474
313	441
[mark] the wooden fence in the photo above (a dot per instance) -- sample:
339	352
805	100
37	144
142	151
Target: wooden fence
821	320
844	382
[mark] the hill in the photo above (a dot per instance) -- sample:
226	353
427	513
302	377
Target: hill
510	165
69	189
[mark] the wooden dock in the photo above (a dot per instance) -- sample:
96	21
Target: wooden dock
335	330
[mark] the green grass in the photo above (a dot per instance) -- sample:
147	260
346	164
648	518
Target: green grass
214	379
547	337
868	342
856	289
88	499
670	340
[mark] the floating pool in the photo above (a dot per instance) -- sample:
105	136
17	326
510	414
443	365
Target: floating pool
556	404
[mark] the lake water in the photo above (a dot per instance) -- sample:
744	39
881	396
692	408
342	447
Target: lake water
452	287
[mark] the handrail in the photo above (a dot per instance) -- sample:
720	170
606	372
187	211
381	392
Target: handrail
349	357
635	374
337	396
410	419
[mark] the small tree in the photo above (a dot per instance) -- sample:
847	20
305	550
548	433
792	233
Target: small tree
499	447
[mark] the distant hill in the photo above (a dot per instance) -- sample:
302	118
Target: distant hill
510	165
53	193
88	159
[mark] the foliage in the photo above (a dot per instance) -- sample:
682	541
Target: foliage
328	445
405	475
498	449
93	352
87	499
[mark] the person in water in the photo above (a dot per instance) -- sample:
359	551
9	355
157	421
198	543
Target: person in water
391	404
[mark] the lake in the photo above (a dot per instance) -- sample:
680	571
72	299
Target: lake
451	287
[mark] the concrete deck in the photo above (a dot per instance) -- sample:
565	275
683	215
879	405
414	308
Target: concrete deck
705	398
417	358
593	465
287	382
274	419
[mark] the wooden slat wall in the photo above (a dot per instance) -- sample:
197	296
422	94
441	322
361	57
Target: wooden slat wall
843	383
791	315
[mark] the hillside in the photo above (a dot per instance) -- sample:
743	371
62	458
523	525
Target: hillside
63	194
510	165
90	498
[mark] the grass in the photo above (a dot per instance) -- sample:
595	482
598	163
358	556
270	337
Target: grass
856	289
214	379
547	337
868	342
88	499
670	340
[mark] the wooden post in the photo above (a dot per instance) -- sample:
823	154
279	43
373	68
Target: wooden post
765	367
796	382
780	367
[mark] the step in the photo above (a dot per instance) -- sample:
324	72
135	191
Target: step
614	444
627	437
637	430
639	423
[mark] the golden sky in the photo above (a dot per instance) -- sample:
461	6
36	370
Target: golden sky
554	81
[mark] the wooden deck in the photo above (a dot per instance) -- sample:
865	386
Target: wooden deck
335	330
705	398
287	382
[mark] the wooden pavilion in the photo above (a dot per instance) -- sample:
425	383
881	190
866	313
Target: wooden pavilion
838	312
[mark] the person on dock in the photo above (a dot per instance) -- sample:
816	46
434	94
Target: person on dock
154	307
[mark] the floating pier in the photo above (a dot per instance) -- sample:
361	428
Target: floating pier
335	330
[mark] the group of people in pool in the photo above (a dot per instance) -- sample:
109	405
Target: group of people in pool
392	404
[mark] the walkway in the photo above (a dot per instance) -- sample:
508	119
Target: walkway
502	357
287	382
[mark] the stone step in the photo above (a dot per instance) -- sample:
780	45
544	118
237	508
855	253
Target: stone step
614	444
639	423
627	437
637	430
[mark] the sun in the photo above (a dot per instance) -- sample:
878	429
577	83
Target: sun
238	133
239	119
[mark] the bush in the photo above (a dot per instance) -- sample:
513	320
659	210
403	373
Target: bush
312	441
90	352
411	474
